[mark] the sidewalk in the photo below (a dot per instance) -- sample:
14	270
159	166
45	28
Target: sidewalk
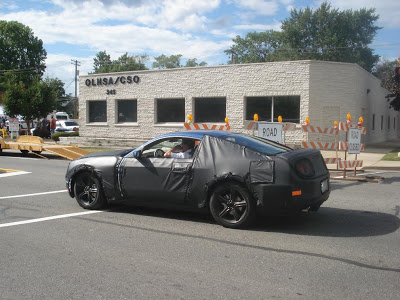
372	156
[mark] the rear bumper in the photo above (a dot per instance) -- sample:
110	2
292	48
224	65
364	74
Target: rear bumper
273	199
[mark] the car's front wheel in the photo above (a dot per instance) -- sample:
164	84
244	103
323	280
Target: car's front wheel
232	206
88	191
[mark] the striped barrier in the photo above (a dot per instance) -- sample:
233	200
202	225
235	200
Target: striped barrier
289	127
332	160
319	145
317	129
345	146
201	126
345	127
251	125
349	164
286	126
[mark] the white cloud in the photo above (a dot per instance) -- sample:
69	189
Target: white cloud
258	27
258	7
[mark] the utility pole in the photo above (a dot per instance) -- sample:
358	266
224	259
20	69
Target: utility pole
76	63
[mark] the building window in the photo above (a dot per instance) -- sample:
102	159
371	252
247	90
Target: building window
373	121
381	122
97	111
170	110
270	108
388	122
259	105
126	111
209	110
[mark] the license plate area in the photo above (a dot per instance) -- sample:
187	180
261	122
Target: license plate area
324	186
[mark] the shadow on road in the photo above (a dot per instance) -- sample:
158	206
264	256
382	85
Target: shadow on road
331	222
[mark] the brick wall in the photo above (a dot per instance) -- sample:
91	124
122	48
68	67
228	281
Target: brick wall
322	86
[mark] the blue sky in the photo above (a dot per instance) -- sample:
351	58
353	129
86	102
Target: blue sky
202	29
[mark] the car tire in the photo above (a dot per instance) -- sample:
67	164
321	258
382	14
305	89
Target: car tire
88	191
232	206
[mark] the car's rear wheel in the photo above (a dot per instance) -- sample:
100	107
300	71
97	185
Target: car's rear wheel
88	191
232	206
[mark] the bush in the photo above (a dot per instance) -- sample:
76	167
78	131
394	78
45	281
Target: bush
56	136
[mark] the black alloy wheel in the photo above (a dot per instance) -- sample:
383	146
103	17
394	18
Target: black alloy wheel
232	206
88	192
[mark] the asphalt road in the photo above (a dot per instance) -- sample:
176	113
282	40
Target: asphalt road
50	248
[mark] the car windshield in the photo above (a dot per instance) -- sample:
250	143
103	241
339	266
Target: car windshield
257	144
71	123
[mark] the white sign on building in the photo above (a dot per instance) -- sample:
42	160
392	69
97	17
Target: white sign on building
270	131
354	140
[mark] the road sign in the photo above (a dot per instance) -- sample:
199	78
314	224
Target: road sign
354	140
270	131
13	124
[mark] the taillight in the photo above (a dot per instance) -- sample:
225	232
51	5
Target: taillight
304	168
75	129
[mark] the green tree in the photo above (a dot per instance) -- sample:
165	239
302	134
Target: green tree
167	62
126	62
324	34
256	47
385	72
192	62
102	63
332	35
21	52
34	101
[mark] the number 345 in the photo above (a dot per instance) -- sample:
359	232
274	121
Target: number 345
110	92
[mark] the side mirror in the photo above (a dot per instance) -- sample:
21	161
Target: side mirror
137	153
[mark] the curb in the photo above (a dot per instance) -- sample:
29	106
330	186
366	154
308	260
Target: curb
374	168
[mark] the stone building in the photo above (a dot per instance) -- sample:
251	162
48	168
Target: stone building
131	107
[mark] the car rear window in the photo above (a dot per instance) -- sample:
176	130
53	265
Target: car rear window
257	144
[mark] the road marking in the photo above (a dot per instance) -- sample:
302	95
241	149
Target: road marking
50	218
36	194
14	173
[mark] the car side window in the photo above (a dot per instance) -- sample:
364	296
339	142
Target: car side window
163	145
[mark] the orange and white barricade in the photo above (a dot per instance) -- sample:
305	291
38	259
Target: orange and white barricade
349	164
206	126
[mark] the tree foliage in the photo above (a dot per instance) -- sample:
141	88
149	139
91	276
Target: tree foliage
385	72
322	34
192	62
21	51
256	47
167	62
174	61
102	63
31	102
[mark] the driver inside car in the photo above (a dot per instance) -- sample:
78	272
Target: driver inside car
184	150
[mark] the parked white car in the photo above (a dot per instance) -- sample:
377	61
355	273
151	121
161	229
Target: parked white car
66	125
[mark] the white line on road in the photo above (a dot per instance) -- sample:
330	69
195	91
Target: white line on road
14	173
36	194
50	218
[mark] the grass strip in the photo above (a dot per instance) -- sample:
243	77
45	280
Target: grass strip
392	155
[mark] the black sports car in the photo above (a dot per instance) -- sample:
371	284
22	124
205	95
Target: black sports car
234	176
